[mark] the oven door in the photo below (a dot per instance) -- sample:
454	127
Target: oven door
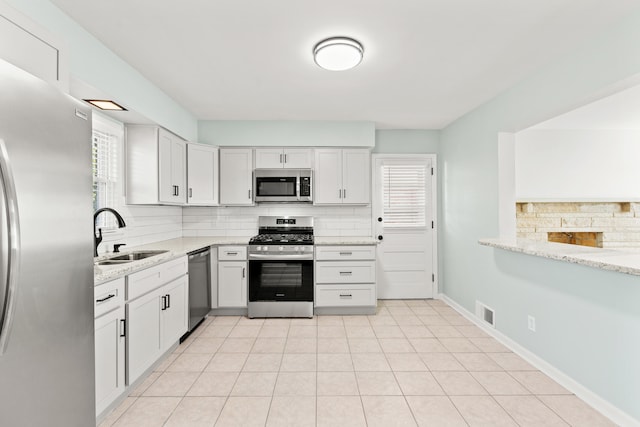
280	280
276	188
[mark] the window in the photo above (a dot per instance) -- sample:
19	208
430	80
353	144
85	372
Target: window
106	140
404	195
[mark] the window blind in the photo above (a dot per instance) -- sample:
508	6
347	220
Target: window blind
404	195
105	174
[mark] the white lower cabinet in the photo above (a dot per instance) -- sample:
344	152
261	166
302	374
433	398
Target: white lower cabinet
345	278
232	277
157	319
109	342
232	284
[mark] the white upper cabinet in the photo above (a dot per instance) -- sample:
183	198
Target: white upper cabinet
284	158
32	48
202	175
236	176
155	166
356	176
342	176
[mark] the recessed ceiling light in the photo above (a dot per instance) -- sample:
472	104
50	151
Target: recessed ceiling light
105	104
338	53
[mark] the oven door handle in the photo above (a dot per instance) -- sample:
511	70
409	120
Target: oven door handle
281	257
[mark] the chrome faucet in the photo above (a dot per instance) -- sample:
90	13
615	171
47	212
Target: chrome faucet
98	238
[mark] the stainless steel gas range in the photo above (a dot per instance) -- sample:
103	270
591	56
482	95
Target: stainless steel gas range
281	267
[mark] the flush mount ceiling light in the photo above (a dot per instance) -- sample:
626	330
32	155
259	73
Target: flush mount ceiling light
338	53
105	104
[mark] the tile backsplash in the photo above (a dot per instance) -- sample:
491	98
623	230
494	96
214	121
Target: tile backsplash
243	220
148	224
617	224
145	224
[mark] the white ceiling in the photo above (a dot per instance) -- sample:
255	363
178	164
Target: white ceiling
427	62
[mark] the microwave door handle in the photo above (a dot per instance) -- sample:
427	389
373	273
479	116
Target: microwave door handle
10	247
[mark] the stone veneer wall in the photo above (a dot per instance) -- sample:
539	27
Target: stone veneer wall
619	222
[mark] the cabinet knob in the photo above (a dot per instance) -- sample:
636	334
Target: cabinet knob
380	237
379	219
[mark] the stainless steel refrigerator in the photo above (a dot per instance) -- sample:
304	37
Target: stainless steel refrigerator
46	260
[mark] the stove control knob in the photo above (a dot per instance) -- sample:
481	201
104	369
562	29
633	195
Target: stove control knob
297	249
281	248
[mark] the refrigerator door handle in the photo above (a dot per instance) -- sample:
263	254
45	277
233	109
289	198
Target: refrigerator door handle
11	257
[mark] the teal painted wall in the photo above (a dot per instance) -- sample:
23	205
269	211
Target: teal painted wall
286	133
588	320
406	141
94	64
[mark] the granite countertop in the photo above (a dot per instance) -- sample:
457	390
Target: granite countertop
344	240
622	261
175	248
181	246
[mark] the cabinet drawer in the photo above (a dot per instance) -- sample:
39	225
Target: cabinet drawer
346	272
331	253
108	296
141	282
232	253
345	296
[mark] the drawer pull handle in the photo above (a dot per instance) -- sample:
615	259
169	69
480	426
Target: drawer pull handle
346	253
346	273
231	253
106	298
346	296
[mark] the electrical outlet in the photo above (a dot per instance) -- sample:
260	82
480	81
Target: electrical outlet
532	323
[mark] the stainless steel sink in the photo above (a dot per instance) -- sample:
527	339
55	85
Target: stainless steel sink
136	255
130	257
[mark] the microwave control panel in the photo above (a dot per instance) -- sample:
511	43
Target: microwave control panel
305	186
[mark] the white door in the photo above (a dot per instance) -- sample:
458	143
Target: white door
328	176
232	284
166	186
202	172
143	334
269	158
236	168
404	206
356	166
297	158
175	316
178	169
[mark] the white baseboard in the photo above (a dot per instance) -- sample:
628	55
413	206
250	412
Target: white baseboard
614	413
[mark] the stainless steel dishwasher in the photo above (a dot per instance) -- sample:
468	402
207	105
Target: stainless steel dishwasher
199	286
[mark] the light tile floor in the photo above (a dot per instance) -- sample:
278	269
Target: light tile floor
415	363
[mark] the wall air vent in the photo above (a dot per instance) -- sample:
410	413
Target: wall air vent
485	313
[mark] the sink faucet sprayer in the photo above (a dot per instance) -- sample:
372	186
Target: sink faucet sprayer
98	238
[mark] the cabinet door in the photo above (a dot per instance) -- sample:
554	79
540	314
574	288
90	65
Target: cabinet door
171	168
179	170
269	158
297	158
109	358
236	168
328	177
166	189
356	176
143	334
202	173
175	316
232	284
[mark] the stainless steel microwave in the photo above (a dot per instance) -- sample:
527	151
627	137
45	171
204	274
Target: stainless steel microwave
283	185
